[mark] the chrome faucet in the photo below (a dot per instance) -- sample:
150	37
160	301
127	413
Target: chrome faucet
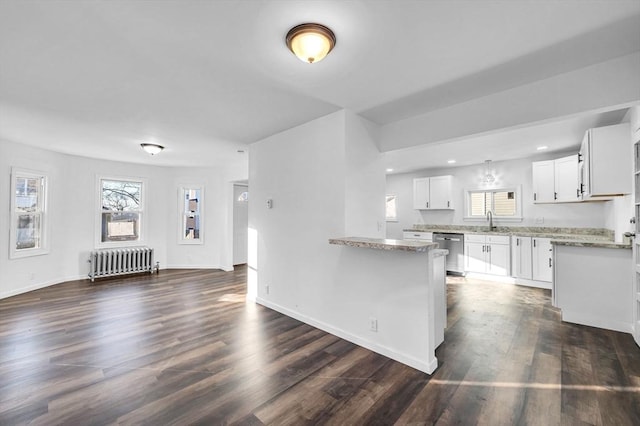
490	219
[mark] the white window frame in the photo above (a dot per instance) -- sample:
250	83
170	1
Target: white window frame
516	218
142	213
389	218
14	252
181	215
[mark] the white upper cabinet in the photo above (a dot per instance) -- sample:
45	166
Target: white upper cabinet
543	181
432	193
567	184
606	165
556	181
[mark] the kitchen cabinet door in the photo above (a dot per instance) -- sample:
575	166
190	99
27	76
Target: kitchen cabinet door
474	256
543	181
567	179
440	192
499	259
522	267
421	193
542	254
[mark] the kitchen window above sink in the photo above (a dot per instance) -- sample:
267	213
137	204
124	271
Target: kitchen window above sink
505	204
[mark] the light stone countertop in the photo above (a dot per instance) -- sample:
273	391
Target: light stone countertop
386	244
577	237
599	244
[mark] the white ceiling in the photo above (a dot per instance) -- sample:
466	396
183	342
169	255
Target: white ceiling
206	78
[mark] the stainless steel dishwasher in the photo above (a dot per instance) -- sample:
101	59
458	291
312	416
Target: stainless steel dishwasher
455	244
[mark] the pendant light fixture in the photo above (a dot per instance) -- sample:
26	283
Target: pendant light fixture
152	148
310	42
488	177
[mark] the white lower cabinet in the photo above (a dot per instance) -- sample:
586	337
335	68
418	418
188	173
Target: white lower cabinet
487	254
532	258
521	257
542	259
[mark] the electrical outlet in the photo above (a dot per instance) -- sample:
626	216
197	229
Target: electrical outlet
373	324
539	219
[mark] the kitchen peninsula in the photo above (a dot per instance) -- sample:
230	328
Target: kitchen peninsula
402	286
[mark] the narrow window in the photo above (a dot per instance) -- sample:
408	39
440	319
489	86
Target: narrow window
28	213
391	208
191	216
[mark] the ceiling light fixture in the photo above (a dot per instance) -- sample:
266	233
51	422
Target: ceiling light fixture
542	148
310	42
152	148
451	161
389	170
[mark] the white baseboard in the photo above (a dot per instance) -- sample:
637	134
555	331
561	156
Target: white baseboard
426	367
593	321
178	266
38	286
533	283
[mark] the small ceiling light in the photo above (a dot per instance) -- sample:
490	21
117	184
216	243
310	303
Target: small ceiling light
389	170
451	161
152	148
542	148
310	42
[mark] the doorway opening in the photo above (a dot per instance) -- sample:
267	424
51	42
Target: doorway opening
240	223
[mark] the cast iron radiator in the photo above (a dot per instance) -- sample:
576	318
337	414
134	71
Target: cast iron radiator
109	262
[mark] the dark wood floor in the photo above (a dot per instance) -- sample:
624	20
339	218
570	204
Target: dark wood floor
182	347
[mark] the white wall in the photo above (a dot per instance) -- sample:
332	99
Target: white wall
72	216
322	176
507	173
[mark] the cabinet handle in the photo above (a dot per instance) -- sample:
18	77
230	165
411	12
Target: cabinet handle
580	159
483	247
427	204
555	195
534	243
549	262
577	192
582	188
534	196
448	203
517	241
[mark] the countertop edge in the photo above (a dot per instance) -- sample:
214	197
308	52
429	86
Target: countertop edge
592	244
384	244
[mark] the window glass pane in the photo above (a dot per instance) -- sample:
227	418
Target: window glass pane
28	231
191	213
27	194
391	208
480	201
191	227
120	226
504	203
121	195
192	201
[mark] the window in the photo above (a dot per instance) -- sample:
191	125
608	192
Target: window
504	203
391	208
120	211
28	213
190	215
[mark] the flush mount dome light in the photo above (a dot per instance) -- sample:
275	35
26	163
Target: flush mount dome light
152	148
310	42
